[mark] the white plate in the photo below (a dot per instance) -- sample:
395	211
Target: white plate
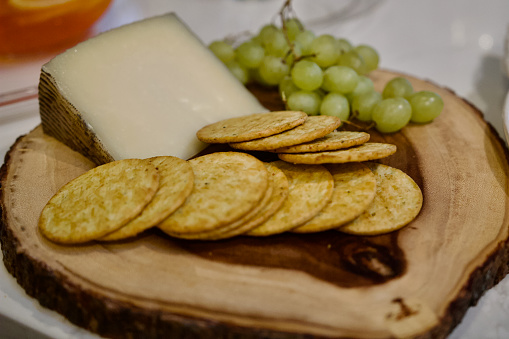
458	44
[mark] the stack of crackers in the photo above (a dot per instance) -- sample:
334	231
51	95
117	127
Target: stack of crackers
321	182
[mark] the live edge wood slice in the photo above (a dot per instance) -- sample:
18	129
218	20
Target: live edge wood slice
417	282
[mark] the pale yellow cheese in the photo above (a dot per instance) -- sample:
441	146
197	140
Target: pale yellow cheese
144	89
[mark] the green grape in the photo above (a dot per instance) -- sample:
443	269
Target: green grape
293	28
325	50
370	56
353	60
392	114
254	75
340	79
272	70
287	87
222	50
307	75
320	92
363	103
239	71
297	52
305	39
276	44
426	106
335	104
250	54
265	34
364	85
398	87
344	46
305	101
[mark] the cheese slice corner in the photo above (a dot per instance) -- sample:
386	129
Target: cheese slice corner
138	91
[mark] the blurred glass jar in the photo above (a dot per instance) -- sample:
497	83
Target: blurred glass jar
29	27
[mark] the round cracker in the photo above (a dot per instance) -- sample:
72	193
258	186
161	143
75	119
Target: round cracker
279	193
332	141
176	181
227	186
313	128
354	190
310	190
279	196
230	230
99	201
249	127
398	201
364	152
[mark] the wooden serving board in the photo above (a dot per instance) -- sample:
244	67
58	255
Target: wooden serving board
417	282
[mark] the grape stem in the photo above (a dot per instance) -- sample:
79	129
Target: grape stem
359	127
283	97
285	13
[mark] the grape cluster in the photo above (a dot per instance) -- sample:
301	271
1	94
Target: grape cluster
325	75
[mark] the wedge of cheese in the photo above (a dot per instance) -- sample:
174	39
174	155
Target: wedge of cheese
138	91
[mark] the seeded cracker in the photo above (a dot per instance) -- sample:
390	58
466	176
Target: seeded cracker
176	180
227	186
250	127
99	202
364	152
230	230
332	141
274	199
310	190
354	190
279	196
398	201
313	128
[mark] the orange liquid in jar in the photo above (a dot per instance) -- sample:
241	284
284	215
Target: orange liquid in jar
29	27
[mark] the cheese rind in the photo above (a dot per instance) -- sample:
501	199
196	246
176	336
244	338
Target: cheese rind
142	90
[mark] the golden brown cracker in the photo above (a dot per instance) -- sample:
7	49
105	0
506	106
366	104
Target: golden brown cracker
249	127
176	180
279	183
232	229
99	202
354	190
332	141
397	202
227	186
313	128
365	152
310	189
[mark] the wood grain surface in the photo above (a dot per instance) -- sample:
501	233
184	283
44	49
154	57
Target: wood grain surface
417	282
